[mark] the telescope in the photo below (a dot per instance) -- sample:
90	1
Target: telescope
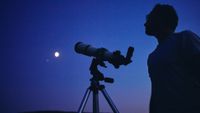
115	58
100	55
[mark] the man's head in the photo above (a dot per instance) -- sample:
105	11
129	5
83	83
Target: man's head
161	20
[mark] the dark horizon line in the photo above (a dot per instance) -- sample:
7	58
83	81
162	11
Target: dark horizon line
57	112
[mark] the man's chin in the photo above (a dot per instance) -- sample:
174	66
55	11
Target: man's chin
148	33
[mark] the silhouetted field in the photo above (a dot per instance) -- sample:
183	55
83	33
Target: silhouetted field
49	112
57	112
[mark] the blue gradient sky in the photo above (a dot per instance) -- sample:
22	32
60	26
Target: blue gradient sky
31	78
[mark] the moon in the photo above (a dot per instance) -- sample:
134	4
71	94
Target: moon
56	54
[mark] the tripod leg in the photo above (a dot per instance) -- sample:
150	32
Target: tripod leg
110	102
96	101
84	101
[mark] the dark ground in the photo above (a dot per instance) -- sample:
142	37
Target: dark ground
55	112
50	112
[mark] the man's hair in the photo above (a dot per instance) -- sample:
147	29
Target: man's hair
166	14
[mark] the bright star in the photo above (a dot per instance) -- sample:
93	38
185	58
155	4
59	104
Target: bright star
56	54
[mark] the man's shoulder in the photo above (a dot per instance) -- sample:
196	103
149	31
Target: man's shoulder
187	33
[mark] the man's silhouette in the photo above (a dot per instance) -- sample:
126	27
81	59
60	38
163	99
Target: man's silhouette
174	66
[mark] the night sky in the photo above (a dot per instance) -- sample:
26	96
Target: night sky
32	78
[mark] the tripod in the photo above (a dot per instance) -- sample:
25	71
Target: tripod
95	87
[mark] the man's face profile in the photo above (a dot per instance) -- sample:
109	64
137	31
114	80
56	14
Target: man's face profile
161	20
150	25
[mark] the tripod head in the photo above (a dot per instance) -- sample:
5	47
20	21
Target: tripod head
97	75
